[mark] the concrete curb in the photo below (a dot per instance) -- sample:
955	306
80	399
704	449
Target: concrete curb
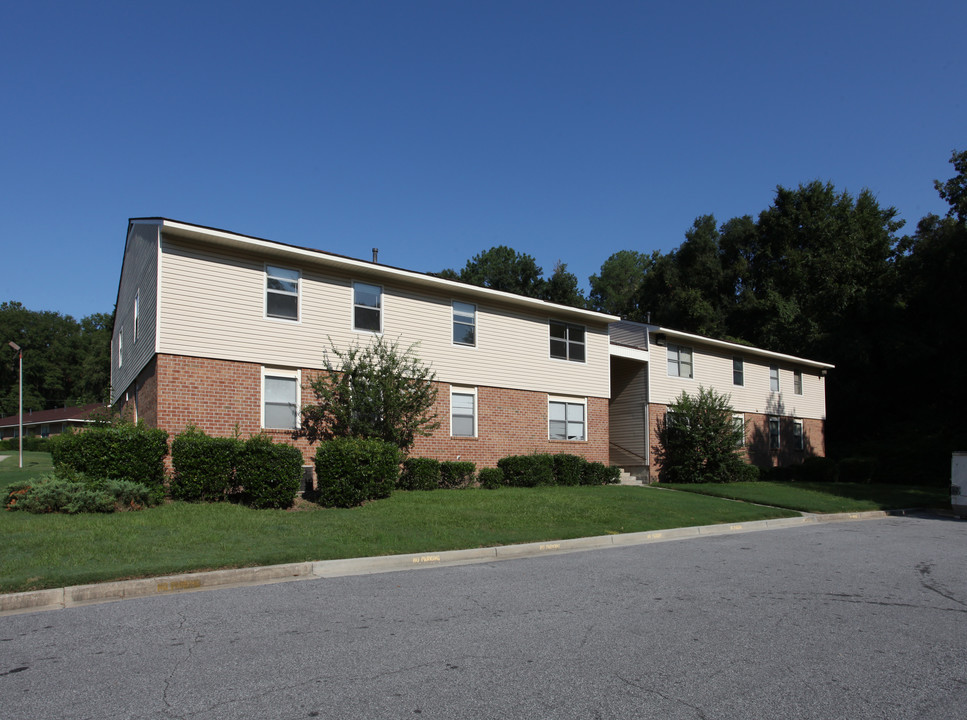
78	595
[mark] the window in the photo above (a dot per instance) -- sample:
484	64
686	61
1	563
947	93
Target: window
679	361
774	378
567	341
137	302
367	307
738	371
566	420
464	323
463	412
280	393
773	433
738	422
798	438
45	431
797	382
281	293
120	347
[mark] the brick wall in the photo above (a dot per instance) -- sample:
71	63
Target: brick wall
756	448
220	396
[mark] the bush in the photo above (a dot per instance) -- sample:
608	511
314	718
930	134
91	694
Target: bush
76	493
491	478
31	444
122	451
596	473
268	473
527	470
856	469
817	469
744	472
204	466
569	469
454	474
420	474
351	471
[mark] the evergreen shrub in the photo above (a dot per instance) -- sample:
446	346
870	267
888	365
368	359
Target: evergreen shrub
527	470
420	474
491	478
351	471
817	469
595	473
857	469
268	473
568	469
457	474
76	493
204	466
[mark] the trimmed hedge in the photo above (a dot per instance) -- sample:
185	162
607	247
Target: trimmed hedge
857	469
817	469
420	474
596	473
491	478
204	466
125	451
457	474
268	473
351	471
31	444
527	470
569	469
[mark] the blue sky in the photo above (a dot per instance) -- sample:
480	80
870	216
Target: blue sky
435	130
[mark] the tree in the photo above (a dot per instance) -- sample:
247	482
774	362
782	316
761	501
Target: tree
373	391
562	288
503	268
697	440
954	191
615	289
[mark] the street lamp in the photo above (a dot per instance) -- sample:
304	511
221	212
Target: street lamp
20	429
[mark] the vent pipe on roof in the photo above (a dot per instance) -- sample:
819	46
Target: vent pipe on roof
648	317
375	254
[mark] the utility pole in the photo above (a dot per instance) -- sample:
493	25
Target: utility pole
20	429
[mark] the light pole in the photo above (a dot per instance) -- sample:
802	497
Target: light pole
20	429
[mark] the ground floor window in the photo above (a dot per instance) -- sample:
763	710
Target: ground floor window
798	437
773	433
463	412
567	419
738	422
280	399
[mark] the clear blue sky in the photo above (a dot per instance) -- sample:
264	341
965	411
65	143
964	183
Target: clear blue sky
434	130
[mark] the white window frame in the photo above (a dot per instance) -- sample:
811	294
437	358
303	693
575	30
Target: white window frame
287	374
297	294
797	382
798	435
566	401
568	343
678	361
740	361
120	347
454	322
774	385
380	309
137	303
472	391
778	422
738	420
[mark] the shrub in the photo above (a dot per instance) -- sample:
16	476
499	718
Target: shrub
351	471
697	439
817	469
77	494
204	466
568	469
778	474
454	474
268	473
744	472
856	469
491	478
420	474
122	451
595	473
31	444
527	470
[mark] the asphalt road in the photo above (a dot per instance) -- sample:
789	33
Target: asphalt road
848	620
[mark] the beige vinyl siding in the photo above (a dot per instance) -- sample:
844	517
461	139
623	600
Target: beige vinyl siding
139	278
630	333
628	413
713	368
213	306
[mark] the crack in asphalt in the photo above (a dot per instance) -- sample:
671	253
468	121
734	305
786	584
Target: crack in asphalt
663	696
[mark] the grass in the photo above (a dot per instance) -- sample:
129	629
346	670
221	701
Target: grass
41	551
824	497
35	463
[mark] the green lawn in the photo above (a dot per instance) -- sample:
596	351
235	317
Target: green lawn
824	497
35	463
41	551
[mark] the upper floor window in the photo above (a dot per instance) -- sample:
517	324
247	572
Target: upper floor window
281	293
566	420
463	412
797	382
738	371
137	303
464	323
567	341
679	361
367	307
774	378
120	347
